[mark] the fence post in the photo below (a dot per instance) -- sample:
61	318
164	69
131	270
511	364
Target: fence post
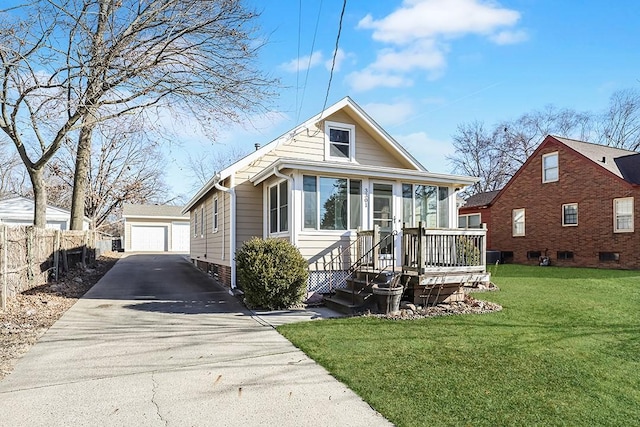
3	266
56	255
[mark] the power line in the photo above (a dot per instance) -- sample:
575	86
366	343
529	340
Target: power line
335	52
298	53
306	77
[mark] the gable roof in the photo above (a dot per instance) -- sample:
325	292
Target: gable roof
481	199
23	208
623	163
148	211
345	103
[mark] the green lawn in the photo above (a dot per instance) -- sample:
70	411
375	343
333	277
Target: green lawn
564	351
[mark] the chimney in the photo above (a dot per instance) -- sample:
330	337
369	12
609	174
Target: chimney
257	146
604	160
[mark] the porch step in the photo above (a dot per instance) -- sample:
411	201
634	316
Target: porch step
342	301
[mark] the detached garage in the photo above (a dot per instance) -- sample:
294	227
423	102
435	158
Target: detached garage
155	228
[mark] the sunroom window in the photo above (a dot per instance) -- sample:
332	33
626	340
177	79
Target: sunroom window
279	208
332	203
428	204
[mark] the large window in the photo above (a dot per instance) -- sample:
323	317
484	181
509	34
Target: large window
340	141
469	221
518	222
570	214
279	208
550	167
332	203
623	215
427	204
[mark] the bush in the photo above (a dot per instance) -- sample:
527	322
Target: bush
272	273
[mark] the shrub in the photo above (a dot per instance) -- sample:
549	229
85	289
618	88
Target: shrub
272	273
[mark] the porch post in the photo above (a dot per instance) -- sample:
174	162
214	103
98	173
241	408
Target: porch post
422	246
376	246
483	246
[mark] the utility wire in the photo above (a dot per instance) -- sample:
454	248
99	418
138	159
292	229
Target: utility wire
306	77
335	52
298	54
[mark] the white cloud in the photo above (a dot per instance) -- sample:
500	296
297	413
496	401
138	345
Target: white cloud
390	114
417	37
340	57
418	19
367	79
509	37
430	152
303	63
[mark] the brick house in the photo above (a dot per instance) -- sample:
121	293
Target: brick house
476	212
574	202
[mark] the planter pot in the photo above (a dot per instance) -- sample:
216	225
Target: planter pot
388	299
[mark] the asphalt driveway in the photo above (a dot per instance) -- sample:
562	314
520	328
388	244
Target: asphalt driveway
157	343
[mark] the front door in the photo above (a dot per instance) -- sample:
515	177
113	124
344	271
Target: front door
383	215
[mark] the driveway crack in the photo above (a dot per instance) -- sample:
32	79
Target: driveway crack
153	398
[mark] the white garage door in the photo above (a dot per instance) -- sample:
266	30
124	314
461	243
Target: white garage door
148	238
180	237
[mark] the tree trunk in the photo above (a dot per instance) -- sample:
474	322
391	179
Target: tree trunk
81	177
40	197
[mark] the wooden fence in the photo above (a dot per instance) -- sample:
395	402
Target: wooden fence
30	257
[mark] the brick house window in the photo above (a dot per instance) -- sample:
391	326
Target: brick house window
567	255
517	219
550	167
469	221
609	256
570	214
534	254
623	215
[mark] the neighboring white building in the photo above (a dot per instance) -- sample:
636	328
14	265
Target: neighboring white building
19	211
155	228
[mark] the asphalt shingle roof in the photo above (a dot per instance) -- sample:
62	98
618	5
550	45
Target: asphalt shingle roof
481	199
620	162
160	211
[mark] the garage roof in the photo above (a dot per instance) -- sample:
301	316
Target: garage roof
153	211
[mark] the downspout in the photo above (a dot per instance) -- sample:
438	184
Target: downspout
294	234
232	226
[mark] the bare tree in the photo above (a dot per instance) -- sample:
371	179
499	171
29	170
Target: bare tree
125	167
71	64
477	154
619	125
202	168
12	179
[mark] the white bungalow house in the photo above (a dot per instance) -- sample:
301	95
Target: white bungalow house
20	210
317	186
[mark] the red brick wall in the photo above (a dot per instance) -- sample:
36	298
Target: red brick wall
580	181
221	273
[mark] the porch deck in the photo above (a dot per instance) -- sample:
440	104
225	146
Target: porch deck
434	263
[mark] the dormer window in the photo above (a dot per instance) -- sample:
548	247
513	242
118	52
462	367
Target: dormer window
339	141
550	167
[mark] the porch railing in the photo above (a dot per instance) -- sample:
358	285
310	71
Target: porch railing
443	250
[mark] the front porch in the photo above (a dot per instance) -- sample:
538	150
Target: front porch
432	265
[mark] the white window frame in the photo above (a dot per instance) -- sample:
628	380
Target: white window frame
564	224
557	167
215	206
616	215
514	213
279	206
195	223
327	142
467	216
202	221
350	216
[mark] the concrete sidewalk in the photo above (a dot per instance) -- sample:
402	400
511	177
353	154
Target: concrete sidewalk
155	343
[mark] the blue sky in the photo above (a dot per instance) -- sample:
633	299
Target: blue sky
422	67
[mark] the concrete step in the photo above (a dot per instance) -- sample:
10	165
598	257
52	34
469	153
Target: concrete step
343	304
356	296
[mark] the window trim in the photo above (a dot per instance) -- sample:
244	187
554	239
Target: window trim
467	216
545	156
513	222
349	199
564	224
615	216
215	219
202	221
195	222
327	142
277	185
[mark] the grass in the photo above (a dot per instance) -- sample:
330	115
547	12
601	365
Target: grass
564	351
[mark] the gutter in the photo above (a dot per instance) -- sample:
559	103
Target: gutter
232	226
